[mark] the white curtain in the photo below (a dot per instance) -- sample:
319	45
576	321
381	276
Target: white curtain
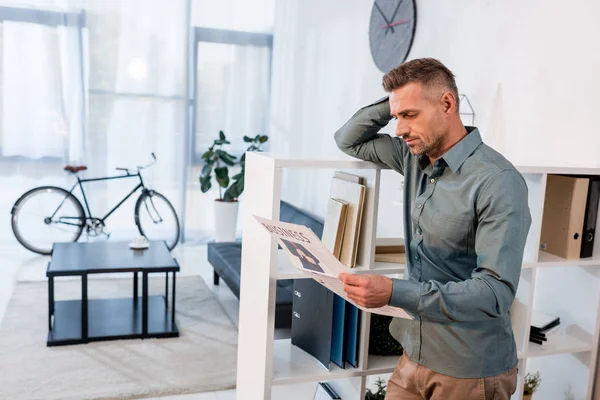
151	62
232	93
237	15
42	91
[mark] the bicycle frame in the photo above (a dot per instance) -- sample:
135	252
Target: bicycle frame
80	183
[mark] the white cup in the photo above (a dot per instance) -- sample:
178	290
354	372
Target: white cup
140	241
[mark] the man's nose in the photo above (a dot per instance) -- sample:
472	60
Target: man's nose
401	129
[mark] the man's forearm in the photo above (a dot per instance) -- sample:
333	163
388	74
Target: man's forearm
363	126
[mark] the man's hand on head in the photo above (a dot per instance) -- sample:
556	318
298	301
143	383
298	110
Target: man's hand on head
370	291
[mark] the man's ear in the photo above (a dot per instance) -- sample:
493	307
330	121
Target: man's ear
448	102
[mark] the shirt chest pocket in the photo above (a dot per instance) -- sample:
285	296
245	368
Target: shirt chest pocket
450	236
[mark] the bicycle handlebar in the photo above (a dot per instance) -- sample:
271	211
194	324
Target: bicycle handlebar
140	167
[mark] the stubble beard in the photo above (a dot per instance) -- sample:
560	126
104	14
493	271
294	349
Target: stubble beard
428	148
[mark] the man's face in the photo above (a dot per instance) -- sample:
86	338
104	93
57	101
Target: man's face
422	122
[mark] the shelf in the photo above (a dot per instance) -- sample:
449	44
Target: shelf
381	268
550	260
293	365
558	170
575	340
298	161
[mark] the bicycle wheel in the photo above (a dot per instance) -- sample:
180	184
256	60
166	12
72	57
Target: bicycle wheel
156	218
47	215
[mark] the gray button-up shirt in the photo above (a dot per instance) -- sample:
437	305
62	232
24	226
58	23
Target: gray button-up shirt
466	223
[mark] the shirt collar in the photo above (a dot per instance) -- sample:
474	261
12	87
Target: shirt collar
456	156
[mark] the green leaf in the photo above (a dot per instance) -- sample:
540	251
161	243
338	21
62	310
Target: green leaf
207	169
205	185
256	137
237	176
207	154
222	176
240	185
263	139
227	159
247	139
231	194
221	135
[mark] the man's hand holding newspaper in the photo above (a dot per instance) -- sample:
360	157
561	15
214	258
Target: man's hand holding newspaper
368	292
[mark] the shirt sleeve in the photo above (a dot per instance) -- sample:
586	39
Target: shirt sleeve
359	137
504	220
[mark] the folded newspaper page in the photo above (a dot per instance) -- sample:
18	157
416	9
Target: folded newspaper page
310	255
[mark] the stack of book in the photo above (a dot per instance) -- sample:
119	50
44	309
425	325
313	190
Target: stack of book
324	324
542	327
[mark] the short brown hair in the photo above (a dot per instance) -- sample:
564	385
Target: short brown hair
427	71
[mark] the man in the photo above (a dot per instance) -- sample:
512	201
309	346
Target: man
466	223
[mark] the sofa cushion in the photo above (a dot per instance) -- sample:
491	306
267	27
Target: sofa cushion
226	258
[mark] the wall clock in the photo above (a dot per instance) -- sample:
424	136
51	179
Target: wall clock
391	32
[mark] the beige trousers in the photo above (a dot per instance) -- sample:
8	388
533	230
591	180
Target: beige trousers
411	381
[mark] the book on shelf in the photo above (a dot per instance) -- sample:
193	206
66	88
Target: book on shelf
564	218
324	391
391	253
353	194
312	320
333	228
542	327
541	322
591	217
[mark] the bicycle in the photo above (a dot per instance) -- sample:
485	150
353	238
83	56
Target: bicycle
60	212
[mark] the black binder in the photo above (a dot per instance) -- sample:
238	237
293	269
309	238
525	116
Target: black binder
591	215
312	319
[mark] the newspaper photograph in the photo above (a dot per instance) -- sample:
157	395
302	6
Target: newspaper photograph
310	255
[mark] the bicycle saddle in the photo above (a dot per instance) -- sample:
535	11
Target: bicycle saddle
75	168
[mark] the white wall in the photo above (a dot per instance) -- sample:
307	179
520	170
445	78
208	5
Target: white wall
530	68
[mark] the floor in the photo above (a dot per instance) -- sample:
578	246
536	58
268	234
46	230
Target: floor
19	264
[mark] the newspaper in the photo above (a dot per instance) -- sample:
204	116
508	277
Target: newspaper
310	255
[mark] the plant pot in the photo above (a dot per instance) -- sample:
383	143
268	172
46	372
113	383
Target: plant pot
527	396
226	214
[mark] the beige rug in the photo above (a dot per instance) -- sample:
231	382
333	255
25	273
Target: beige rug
201	359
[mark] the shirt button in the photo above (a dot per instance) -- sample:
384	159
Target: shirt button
432	180
417	257
419	205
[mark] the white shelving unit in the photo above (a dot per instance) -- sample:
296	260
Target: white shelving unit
568	288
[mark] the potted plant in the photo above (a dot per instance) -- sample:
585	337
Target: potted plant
532	382
216	162
380	394
237	187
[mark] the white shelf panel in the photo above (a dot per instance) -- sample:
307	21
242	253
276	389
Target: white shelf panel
381	268
558	170
550	260
293	365
574	340
298	161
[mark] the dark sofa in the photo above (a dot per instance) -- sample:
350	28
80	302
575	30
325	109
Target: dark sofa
226	259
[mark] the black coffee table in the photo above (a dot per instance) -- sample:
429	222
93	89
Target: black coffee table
83	321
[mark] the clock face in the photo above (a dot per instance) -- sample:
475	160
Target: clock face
391	32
